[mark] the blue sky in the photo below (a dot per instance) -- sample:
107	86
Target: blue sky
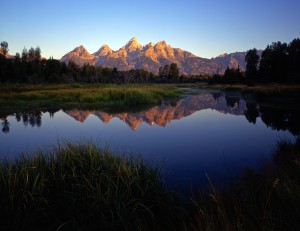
205	28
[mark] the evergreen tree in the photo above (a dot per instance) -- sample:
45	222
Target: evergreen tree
37	53
166	71
251	59
294	60
24	55
31	54
274	63
174	71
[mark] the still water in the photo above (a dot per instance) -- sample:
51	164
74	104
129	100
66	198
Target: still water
213	133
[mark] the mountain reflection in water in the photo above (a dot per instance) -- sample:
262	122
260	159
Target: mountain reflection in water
226	103
165	113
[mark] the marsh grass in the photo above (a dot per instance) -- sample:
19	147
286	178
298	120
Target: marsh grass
261	90
82	187
268	199
25	96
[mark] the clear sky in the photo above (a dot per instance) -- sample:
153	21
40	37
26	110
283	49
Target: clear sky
205	28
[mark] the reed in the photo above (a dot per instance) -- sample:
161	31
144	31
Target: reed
83	187
267	199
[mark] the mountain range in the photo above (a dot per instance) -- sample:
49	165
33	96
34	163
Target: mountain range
152	56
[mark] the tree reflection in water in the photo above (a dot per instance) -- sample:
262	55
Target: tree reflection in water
279	118
5	126
34	119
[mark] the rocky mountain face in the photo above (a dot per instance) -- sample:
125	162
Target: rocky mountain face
80	56
233	60
152	56
166	113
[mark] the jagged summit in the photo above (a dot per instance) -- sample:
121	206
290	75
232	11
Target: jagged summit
81	50
147	46
134	40
151	44
152	56
133	45
163	43
104	50
222	55
105	46
79	55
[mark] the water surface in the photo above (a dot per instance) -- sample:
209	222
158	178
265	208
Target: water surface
212	132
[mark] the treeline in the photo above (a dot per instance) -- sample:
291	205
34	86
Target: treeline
279	62
170	74
231	76
32	118
30	67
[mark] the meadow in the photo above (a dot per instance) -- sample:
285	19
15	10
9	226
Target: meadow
24	97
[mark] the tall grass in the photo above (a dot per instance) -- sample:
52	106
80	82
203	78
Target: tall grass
81	187
268	199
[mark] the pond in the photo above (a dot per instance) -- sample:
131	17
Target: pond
208	133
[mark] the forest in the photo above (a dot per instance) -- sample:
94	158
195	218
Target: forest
279	63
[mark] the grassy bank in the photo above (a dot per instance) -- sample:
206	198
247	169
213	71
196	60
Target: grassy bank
268	199
83	95
268	90
81	187
270	95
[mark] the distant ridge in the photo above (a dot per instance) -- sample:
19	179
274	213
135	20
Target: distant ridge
152	56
